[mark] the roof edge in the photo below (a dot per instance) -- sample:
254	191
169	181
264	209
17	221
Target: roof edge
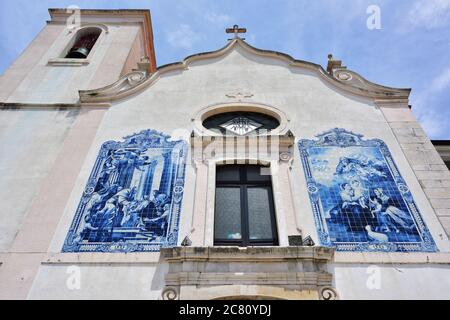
63	11
341	78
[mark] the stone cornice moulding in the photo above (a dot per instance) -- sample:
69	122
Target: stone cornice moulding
341	78
104	258
68	62
444	152
390	258
19	105
153	258
108	15
392	103
107	23
247	254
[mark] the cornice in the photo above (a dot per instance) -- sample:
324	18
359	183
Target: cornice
248	254
64	12
61	106
341	78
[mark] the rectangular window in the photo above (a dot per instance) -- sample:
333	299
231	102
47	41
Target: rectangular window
244	210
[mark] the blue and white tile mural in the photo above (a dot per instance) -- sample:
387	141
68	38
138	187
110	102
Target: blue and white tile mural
359	199
132	200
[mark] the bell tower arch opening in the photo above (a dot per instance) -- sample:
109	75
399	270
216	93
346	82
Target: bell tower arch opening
83	42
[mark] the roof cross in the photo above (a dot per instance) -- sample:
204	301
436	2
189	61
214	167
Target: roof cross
236	30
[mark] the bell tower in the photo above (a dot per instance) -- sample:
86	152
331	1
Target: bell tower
79	50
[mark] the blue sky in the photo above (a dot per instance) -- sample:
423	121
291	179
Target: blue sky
411	49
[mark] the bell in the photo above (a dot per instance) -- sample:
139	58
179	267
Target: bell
78	53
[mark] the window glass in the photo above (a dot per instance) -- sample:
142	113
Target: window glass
260	225
227	222
244	213
258	173
228	173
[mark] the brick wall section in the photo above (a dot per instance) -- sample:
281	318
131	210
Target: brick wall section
428	167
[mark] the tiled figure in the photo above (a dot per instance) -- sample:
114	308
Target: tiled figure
133	197
359	199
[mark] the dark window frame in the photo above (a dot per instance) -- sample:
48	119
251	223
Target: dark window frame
244	184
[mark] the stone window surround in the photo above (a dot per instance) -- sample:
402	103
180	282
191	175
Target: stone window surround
201	231
281	214
215	109
69	42
202	221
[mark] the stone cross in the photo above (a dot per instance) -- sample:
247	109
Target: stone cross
236	30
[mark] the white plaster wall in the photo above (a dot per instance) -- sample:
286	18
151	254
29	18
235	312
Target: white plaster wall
118	282
46	83
396	282
312	107
27	60
30	141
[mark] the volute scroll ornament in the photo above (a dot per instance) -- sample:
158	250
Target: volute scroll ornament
343	76
135	77
170	293
285	156
328	293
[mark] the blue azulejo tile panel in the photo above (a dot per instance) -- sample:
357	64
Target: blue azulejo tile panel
132	200
359	199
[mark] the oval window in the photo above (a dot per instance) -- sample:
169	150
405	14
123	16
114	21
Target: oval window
241	123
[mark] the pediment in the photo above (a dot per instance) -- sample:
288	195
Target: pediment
341	78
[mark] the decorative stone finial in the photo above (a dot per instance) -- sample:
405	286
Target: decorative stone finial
144	64
333	64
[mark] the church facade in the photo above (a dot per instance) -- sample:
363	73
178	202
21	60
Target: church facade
237	173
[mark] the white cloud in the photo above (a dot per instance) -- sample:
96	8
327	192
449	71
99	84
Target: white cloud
184	37
429	14
425	115
442	81
251	38
434	123
218	18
